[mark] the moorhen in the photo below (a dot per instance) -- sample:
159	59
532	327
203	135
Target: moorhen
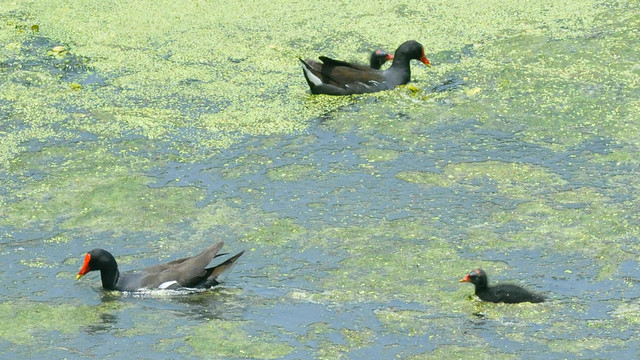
190	272
505	293
377	59
333	77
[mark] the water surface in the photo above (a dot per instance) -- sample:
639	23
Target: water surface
153	129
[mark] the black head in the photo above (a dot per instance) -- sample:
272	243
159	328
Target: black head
412	50
97	259
476	277
378	58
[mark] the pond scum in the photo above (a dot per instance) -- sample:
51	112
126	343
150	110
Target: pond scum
157	123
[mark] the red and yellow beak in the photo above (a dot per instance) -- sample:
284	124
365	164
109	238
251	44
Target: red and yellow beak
466	279
85	267
424	59
389	56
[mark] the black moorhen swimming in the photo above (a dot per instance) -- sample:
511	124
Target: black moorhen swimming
190	272
376	60
505	293
333	77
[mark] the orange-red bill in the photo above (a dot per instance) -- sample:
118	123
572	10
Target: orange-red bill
424	59
389	56
466	278
85	267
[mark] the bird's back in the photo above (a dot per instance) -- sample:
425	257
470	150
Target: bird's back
509	293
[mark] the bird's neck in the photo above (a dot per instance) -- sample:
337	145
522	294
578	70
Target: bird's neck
398	74
401	61
481	285
110	276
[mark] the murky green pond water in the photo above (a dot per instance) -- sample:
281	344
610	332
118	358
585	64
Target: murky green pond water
154	128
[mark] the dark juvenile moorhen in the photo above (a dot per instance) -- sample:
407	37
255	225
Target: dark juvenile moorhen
333	77
505	293
378	58
190	272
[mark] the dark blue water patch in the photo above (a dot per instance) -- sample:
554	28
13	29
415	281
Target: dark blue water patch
628	243
564	279
104	341
630	269
66	138
294	267
24	237
361	316
562	276
327	151
450	82
573	156
452	56
494	331
15	351
356	317
101	339
468	141
35	264
34	56
93	80
107	323
374	195
306	314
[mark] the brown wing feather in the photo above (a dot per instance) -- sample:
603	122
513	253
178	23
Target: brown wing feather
333	62
333	74
184	271
225	266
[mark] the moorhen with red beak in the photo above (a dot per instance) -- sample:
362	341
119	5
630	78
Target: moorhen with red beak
334	77
505	293
377	59
190	272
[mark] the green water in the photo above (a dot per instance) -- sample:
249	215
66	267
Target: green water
154	128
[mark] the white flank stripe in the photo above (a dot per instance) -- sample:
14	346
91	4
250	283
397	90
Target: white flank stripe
166	284
314	79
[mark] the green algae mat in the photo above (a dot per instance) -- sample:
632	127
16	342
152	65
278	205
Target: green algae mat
154	128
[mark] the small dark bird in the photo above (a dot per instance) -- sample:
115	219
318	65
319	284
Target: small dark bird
190	272
378	58
334	77
505	293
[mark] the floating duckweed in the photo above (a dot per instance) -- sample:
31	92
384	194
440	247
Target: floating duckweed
90	189
549	90
222	338
408	322
583	347
38	263
279	232
376	155
293	172
58	239
23	322
478	352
